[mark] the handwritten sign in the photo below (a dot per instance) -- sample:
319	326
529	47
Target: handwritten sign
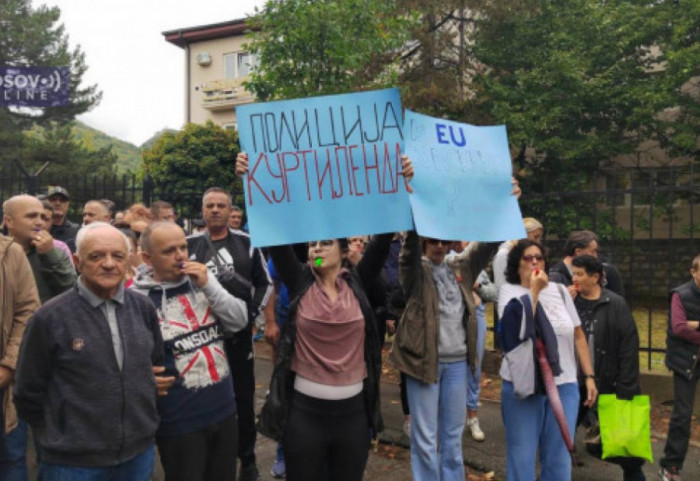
324	167
462	180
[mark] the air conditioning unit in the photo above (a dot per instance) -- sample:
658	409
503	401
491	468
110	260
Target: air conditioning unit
203	59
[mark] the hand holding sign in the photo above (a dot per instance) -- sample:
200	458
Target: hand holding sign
324	167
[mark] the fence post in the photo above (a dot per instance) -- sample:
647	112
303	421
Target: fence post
147	190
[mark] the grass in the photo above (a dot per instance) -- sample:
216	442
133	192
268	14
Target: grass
655	337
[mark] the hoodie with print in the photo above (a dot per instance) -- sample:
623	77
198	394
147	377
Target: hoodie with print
192	321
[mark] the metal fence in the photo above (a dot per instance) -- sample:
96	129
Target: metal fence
648	223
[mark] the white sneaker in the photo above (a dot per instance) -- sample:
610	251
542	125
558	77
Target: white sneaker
407	428
475	430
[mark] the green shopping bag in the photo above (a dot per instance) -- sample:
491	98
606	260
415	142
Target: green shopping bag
624	427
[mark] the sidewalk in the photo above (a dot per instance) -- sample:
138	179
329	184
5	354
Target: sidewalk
486	456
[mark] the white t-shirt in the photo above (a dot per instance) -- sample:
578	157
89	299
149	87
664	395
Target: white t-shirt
563	318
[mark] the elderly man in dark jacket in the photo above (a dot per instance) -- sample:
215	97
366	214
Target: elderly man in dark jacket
614	342
85	375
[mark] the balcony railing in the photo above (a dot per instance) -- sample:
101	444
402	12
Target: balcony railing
224	94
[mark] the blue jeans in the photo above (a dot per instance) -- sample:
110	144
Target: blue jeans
437	422
474	380
138	468
530	424
13	454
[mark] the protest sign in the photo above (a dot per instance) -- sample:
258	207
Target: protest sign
462	180
324	167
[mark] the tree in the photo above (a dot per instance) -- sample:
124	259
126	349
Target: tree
325	47
436	65
193	159
33	38
581	82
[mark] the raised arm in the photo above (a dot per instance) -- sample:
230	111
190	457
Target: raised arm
372	262
410	263
287	265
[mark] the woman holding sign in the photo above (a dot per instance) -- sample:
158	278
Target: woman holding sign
434	346
324	393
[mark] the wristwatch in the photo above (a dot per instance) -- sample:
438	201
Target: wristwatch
587	376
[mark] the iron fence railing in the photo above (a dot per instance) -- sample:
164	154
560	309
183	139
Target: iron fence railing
648	224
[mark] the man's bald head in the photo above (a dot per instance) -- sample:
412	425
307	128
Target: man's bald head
22	214
18	203
156	231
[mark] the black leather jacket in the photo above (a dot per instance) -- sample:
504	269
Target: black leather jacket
616	346
299	278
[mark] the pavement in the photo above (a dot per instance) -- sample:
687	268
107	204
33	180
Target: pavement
390	460
482	457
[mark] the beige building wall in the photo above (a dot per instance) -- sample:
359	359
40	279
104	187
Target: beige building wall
213	96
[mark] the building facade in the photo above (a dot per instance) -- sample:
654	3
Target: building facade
216	65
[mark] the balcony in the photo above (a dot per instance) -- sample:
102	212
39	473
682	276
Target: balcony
224	94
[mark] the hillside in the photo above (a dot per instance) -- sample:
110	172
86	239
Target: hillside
128	154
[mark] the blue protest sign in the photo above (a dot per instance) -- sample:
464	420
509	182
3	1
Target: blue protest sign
462	180
34	86
324	167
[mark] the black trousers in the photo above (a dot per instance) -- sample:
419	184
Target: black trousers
326	440
240	358
679	425
208	454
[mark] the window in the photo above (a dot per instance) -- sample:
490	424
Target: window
240	64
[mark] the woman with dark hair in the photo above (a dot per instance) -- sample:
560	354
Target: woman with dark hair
614	341
529	418
324	393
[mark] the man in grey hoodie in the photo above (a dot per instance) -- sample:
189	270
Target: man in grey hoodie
198	434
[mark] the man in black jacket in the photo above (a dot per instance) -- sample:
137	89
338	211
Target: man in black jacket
682	354
242	270
62	228
614	342
85	374
579	243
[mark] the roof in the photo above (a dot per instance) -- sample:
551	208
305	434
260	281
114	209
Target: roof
185	36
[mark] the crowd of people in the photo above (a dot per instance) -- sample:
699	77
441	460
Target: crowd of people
126	334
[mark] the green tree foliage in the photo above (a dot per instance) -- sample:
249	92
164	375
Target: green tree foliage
67	154
581	81
310	48
436	64
32	37
193	159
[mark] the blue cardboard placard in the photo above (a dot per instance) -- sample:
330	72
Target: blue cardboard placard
462	180
324	167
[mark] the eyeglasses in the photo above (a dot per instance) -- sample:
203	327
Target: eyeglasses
323	243
438	241
536	257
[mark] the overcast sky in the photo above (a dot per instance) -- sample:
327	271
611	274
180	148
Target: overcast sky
141	76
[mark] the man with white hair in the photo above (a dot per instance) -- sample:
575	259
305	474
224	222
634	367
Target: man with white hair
85	374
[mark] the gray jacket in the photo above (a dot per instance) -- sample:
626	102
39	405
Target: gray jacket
84	410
